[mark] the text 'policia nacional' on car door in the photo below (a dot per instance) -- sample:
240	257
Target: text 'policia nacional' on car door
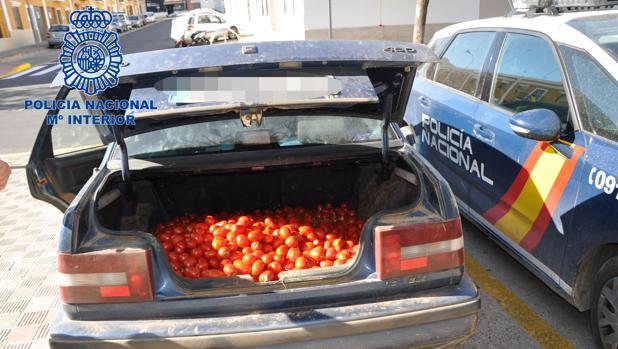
462	117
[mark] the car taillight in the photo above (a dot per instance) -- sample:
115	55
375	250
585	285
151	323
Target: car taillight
418	249
108	276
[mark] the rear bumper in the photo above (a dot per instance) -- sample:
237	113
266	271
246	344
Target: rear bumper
444	317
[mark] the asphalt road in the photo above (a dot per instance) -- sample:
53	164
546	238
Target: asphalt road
518	310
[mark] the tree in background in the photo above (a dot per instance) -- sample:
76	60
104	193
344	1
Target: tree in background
419	21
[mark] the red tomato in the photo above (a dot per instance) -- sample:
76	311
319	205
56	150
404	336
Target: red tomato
258	253
249	259
256	245
167	245
218	242
224	252
266	276
330	254
268	257
344	255
289	265
241	267
197	252
181	247
257	268
242	240
255	235
275	267
229	269
189	262
301	263
282	250
285	232
317	253
292	241
293	254
326	263
279	258
173	256
213	263
338	244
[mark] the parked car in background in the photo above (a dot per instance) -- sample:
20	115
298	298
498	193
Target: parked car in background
520	117
217	25
119	25
121	285
121	16
150	17
55	34
213	27
136	21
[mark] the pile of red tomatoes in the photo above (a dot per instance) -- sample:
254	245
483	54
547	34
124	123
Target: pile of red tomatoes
262	244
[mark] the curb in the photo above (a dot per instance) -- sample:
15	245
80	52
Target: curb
17	69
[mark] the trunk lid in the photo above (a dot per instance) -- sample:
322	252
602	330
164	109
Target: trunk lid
351	74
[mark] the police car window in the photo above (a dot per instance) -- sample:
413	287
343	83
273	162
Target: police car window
214	19
461	64
203	20
528	77
595	93
191	20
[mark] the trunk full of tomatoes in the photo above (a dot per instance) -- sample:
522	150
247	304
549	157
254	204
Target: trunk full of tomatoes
262	244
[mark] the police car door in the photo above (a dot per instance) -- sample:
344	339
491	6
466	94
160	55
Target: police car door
445	99
529	177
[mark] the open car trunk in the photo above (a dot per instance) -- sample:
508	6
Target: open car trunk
160	196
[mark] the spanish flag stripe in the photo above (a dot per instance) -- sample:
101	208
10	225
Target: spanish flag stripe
531	199
504	205
533	237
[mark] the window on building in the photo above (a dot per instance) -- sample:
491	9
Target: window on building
462	63
528	77
17	17
595	93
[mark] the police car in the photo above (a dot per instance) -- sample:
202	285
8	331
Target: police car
519	115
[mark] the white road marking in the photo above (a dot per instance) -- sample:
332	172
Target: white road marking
25	72
45	71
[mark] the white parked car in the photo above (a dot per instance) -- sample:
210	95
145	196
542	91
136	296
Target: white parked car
210	21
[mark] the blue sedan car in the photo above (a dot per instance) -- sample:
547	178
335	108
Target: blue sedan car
519	115
247	127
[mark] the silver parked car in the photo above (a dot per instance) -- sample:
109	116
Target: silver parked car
55	35
136	21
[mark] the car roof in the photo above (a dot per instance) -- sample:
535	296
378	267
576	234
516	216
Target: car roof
551	25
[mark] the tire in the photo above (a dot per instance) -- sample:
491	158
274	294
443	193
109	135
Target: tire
604	306
233	34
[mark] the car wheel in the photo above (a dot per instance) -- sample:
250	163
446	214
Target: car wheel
604	306
233	34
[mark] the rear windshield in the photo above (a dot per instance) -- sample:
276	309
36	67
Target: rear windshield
133	17
274	132
59	28
603	30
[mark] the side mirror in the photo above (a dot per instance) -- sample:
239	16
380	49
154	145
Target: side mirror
538	124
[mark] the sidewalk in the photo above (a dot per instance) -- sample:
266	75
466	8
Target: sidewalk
29	298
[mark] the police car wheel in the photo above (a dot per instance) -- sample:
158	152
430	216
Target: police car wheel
604	306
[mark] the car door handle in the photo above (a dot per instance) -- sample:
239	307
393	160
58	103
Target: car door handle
484	133
424	102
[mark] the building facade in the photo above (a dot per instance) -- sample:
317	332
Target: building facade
26	22
357	19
